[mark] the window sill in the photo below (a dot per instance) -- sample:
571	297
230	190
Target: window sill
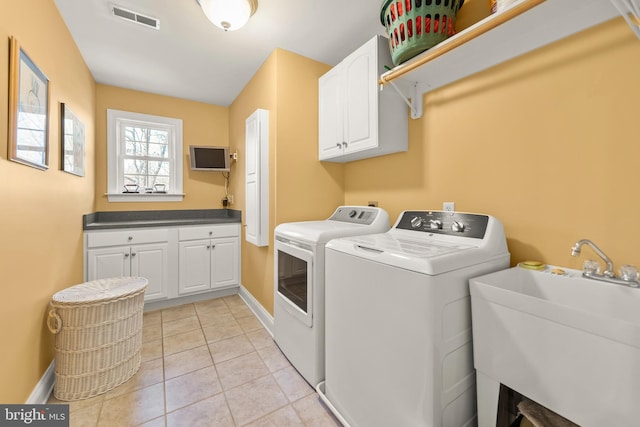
144	197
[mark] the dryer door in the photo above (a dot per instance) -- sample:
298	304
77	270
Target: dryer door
294	279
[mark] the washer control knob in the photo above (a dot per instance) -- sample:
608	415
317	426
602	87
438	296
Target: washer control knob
352	213
457	226
435	224
416	222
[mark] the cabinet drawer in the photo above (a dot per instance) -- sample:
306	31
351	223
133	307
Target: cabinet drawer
126	237
209	231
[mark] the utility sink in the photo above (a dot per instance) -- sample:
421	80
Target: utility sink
570	343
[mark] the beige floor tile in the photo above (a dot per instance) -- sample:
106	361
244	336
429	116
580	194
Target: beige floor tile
152	318
292	383
285	417
314	413
187	361
156	422
133	408
150	372
211	318
151	332
210	412
229	348
250	323
179	312
260	338
234	301
222	331
179	326
216	304
255	399
273	358
76	405
151	350
192	387
87	416
241	311
183	341
240	370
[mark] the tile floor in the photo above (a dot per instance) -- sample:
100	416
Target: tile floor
210	364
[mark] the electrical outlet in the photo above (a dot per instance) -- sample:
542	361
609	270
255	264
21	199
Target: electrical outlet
230	199
373	204
449	207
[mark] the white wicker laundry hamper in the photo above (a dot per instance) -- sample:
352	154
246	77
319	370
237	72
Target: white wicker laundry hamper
98	327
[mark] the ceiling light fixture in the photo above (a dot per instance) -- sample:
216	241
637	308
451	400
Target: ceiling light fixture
228	14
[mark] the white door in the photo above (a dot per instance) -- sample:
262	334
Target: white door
151	262
361	116
224	262
195	266
330	114
108	262
256	211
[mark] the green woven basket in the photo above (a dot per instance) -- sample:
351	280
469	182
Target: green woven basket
414	26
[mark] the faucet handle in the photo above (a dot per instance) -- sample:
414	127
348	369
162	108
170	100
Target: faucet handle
591	266
629	273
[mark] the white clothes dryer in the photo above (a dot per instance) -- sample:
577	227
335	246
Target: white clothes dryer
398	320
298	309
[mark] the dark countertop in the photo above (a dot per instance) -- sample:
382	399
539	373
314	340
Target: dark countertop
137	219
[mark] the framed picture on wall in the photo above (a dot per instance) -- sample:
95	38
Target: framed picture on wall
29	92
72	137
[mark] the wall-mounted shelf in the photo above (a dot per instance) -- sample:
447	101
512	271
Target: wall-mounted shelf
526	26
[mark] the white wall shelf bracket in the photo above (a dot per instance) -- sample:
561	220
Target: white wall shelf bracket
413	99
630	11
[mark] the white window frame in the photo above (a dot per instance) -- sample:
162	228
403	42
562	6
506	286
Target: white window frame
115	151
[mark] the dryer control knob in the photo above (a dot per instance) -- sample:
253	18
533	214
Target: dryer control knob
352	214
435	224
416	222
457	226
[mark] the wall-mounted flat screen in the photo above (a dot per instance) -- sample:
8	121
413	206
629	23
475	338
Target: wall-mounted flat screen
206	158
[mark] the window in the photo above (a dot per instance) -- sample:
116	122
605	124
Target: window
145	155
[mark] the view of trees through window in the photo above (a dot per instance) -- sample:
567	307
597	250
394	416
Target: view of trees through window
146	156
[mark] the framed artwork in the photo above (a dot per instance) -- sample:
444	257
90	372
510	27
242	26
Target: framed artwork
72	137
29	93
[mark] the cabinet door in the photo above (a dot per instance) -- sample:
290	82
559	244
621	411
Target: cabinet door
108	262
151	261
225	263
330	114
361	98
195	266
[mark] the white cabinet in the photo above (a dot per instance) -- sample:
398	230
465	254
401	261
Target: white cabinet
130	253
257	178
209	258
357	120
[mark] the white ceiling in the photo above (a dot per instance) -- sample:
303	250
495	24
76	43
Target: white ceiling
191	58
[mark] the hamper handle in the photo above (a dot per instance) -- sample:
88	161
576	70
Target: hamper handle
58	325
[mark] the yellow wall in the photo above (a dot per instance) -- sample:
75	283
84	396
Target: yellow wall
202	124
40	215
547	143
301	188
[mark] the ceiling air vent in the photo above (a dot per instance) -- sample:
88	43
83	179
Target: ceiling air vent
129	15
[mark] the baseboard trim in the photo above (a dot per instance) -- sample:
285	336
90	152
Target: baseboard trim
187	299
263	315
42	391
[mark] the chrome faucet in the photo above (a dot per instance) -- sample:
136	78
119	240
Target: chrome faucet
575	251
629	274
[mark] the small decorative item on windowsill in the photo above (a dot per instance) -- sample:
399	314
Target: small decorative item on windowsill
414	26
131	188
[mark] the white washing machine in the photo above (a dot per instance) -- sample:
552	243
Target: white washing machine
298	309
398	321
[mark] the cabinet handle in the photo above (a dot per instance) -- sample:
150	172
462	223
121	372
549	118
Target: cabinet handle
133	254
126	255
344	144
338	145
210	233
130	238
213	246
208	246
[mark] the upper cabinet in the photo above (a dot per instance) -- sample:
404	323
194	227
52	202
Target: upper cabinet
356	119
525	26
